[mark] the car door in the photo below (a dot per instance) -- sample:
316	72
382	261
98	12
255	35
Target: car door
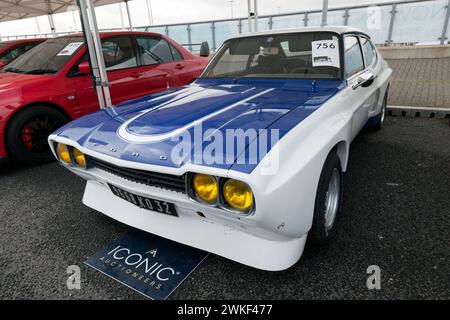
355	69
162	64
373	66
123	74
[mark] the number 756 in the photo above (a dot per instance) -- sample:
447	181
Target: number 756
325	45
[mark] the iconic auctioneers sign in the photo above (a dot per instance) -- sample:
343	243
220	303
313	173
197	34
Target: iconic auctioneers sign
149	264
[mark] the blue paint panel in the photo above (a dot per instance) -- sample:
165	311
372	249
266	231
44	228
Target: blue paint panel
285	104
372	121
149	264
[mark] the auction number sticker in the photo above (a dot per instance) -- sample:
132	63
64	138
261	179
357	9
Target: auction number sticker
70	49
325	53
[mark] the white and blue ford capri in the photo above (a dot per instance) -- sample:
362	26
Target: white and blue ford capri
246	162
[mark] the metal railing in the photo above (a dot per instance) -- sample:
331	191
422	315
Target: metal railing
394	23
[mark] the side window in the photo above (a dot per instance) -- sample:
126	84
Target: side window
369	51
153	50
353	56
118	53
175	53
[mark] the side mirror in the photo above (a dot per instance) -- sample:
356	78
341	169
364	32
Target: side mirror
84	68
204	49
2	64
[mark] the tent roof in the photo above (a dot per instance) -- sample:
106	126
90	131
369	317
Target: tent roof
20	9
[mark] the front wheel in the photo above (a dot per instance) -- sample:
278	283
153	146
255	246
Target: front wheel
327	208
27	133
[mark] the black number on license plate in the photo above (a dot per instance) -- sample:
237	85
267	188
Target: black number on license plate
145	203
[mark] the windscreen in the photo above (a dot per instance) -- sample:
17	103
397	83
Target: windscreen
46	58
307	55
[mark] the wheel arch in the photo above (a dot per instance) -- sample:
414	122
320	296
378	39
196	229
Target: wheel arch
342	150
26	107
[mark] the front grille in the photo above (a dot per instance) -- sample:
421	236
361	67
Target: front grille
154	179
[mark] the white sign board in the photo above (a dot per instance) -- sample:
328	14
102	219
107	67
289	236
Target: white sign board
70	49
325	53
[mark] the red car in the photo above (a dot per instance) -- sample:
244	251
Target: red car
10	50
50	85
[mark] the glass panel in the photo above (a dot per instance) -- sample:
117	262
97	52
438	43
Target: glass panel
353	56
373	20
314	19
244	27
263	24
288	21
419	22
277	56
160	30
153	50
225	30
118	53
336	18
448	33
179	33
202	32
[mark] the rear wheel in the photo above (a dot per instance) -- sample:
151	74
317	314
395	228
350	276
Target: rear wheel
327	208
27	133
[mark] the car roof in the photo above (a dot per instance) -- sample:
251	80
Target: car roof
335	29
19	41
115	33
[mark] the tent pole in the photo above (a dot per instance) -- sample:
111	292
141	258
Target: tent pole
128	15
52	24
122	20
324	13
255	7
150	14
86	27
249	8
99	53
38	26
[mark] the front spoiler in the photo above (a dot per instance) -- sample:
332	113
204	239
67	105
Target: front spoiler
193	231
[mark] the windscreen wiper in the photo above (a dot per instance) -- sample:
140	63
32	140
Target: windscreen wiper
41	71
13	70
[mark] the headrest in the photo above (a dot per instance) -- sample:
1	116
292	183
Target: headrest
245	46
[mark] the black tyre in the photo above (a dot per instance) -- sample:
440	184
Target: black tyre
380	120
27	133
327	209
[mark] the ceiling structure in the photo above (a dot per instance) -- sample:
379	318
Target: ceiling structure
20	9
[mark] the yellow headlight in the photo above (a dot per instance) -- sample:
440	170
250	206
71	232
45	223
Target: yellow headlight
63	153
205	187
238	194
79	158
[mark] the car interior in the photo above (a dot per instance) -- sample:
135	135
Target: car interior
284	56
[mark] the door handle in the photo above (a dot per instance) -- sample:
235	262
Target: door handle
179	66
135	74
364	81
